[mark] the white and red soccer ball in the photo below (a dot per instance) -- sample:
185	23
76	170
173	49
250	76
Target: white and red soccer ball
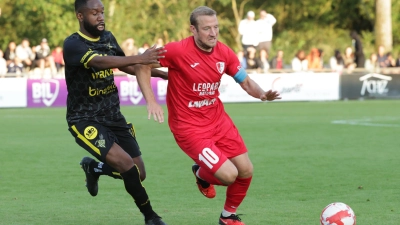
338	213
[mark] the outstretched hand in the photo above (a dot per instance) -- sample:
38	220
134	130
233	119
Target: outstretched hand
270	96
156	111
152	55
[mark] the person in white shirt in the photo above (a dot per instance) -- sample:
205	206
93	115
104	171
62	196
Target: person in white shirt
264	27
299	62
24	53
248	30
3	64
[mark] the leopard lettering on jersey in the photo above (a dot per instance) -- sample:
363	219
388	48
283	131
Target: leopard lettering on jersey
205	88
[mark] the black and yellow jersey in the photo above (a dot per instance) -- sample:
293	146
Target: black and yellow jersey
92	93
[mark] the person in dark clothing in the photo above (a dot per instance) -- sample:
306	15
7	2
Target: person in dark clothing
359	57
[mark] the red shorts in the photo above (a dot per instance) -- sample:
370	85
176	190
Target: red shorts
211	147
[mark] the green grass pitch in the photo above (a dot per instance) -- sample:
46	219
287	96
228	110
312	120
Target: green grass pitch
305	155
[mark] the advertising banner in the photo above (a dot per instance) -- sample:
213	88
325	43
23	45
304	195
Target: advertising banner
12	92
301	86
53	92
366	85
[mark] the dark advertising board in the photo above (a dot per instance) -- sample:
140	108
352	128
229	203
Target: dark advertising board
365	85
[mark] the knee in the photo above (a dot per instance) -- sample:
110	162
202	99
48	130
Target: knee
246	171
228	177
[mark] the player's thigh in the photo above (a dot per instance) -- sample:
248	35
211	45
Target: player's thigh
94	138
202	150
126	138
243	164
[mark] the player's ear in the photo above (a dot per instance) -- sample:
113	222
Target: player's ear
79	16
193	29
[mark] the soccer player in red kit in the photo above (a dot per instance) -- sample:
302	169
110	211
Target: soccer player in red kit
197	119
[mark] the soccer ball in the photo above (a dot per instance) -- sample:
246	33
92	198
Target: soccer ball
338	213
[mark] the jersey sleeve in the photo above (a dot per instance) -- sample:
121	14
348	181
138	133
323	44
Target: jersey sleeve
233	65
173	51
77	53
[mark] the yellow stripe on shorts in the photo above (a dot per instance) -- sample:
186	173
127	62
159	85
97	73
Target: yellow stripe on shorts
80	136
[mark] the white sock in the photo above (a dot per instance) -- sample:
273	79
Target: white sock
226	213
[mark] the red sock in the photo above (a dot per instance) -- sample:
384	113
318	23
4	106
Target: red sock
235	193
209	177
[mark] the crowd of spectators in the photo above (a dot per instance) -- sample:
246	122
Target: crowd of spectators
256	39
38	61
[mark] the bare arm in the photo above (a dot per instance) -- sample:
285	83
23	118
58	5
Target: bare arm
143	75
150	56
154	72
253	89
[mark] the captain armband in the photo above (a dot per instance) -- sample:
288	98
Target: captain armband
240	76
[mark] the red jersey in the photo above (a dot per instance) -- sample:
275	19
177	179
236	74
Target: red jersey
194	76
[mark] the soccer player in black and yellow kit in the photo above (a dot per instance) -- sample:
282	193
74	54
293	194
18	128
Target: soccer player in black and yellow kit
93	110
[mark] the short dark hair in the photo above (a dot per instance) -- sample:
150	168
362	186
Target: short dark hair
200	11
79	4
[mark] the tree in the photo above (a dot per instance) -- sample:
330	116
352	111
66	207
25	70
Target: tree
383	24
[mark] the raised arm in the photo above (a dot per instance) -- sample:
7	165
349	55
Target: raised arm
150	56
143	74
253	89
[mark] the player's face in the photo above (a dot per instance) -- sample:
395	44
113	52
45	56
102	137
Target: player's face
93	18
206	36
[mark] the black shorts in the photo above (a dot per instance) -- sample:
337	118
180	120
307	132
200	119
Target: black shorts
98	138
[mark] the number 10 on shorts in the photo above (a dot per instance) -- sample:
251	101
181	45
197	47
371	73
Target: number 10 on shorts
208	157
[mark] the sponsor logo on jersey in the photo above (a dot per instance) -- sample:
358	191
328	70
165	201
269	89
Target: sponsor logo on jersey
90	132
205	88
201	103
102	74
221	67
96	91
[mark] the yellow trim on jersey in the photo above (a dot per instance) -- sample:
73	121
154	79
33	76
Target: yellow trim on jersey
88	38
80	136
91	57
116	173
133	130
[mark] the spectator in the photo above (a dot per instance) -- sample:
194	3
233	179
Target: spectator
391	61
348	59
58	58
15	66
277	61
242	59
160	42
382	57
264	26
314	60
398	61
372	64
359	57
3	64
25	54
44	59
263	60
321	57
10	54
249	31
143	48
336	61
251	60
299	62
129	48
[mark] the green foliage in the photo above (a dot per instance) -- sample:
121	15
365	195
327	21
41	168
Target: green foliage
300	24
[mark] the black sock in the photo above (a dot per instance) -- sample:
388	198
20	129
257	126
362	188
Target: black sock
134	187
100	168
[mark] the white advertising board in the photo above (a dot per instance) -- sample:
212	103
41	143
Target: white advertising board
13	92
301	86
